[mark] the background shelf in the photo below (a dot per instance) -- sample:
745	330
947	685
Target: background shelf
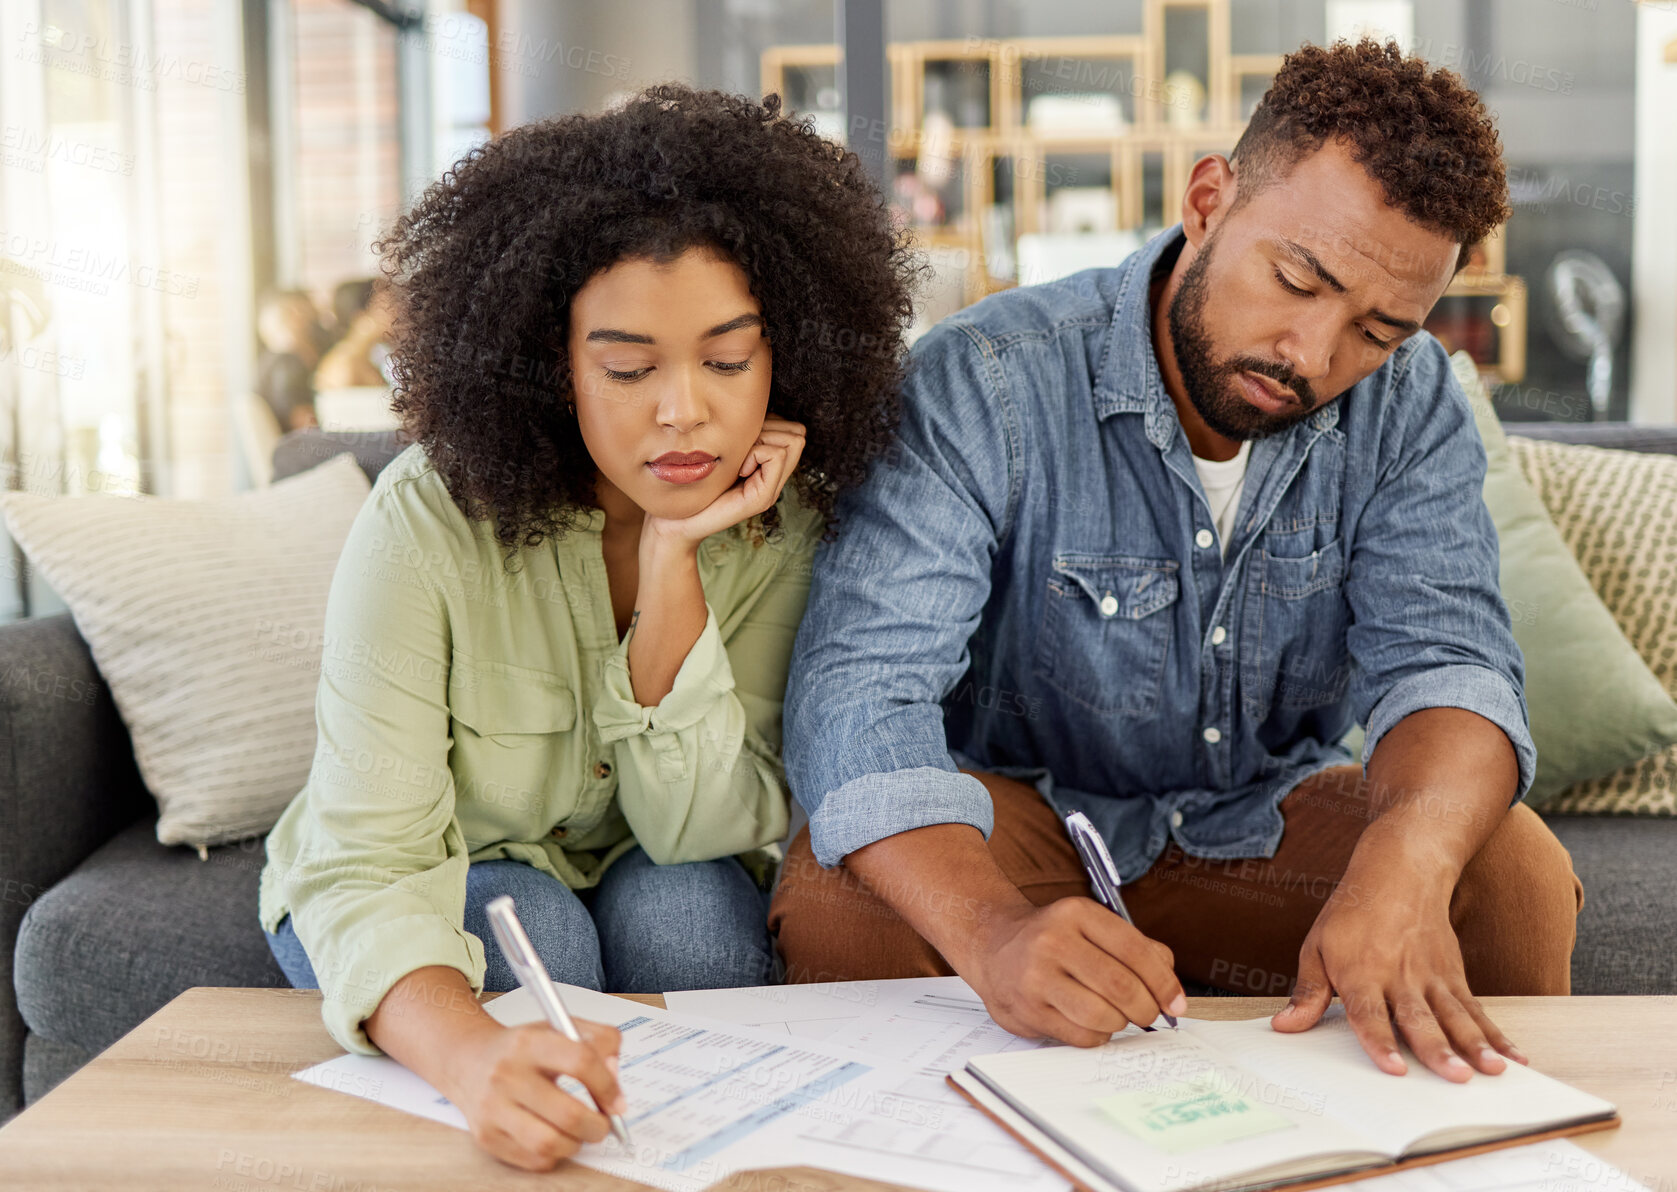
1000	148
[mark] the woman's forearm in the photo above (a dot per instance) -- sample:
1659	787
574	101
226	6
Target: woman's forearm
428	1022
669	616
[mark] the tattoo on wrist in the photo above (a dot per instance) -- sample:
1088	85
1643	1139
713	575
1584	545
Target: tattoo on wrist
634	619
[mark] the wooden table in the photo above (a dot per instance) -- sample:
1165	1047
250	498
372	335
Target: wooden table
199	1096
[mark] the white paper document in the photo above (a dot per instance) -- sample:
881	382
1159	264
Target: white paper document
708	1099
1553	1165
815	1011
849	1077
928	1024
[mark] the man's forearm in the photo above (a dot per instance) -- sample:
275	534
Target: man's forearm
943	881
1071	971
1438	784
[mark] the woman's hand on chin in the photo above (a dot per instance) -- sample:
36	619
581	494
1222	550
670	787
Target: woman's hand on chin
767	467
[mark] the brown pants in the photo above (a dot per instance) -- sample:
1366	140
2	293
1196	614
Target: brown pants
1235	924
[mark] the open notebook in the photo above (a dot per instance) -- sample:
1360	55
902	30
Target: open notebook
1238	1105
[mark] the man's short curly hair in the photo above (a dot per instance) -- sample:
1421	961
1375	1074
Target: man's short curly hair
1423	135
487	261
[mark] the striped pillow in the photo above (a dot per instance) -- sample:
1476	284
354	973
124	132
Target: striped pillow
205	618
1617	511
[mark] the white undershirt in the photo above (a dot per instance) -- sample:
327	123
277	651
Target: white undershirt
1222	480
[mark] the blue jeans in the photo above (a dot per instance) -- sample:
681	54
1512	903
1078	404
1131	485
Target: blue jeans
645	928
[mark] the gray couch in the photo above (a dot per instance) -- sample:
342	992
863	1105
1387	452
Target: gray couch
100	925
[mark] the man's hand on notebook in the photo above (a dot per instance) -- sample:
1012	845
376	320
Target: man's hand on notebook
1393	958
1384	941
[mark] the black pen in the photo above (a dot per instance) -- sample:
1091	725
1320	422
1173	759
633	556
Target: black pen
1103	874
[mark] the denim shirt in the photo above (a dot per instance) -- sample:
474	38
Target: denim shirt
1031	581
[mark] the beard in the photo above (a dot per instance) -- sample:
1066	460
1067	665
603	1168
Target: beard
1213	385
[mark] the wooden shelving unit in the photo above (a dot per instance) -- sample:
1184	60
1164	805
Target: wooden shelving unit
1150	152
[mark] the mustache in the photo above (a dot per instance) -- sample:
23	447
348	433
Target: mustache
1279	373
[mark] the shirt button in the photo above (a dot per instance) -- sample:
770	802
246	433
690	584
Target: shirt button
1176	819
1218	634
1109	605
602	770
1203	538
1212	735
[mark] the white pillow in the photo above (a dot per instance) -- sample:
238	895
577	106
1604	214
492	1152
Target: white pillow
205	617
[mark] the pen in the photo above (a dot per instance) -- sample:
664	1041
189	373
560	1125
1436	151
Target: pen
532	974
1103	874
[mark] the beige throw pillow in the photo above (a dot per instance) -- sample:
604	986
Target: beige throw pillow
1594	705
1617	511
205	618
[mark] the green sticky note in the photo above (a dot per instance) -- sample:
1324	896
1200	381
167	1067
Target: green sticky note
1190	1115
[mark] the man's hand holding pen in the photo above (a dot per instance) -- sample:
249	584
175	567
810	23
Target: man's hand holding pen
1072	971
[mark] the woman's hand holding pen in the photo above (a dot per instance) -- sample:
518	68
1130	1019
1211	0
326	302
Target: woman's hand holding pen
504	1084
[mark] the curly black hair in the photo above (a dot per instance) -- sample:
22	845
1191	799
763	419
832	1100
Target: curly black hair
1423	135
486	263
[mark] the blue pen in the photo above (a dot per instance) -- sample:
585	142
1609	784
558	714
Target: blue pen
1103	874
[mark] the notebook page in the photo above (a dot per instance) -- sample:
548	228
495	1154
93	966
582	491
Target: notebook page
1393	1112
1165	1111
1022	1126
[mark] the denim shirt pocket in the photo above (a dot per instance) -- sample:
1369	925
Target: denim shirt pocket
1105	630
1296	619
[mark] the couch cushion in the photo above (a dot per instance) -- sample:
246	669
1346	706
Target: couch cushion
1627	931
46	1065
205	619
1595	706
132	926
1651	438
301	450
1617	511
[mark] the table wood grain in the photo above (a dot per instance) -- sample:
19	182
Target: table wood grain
200	1096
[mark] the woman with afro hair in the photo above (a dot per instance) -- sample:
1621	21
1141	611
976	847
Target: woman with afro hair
639	355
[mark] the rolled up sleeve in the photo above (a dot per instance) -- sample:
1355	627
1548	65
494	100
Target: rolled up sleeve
698	775
1430	627
371	859
875	806
893	606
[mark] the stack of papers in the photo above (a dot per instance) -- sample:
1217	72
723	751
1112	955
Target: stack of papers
709	1097
849	1077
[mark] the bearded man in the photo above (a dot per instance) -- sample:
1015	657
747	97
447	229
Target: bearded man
1154	538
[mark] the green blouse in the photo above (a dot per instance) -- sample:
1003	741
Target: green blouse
467	714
